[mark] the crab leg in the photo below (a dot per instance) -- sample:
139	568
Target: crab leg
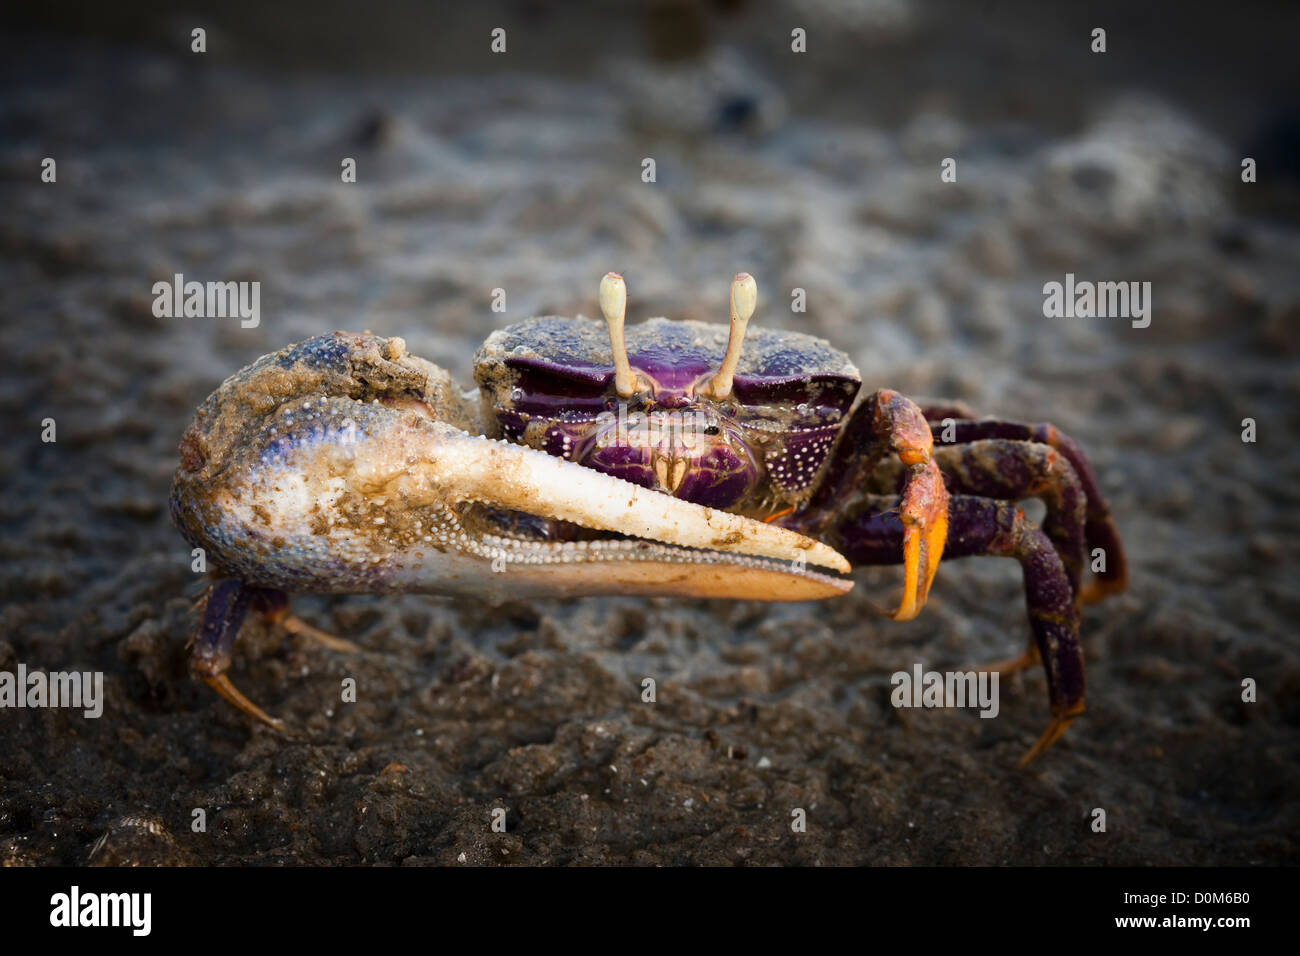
275	609
997	528
224	607
982	526
882	423
1009	471
1099	529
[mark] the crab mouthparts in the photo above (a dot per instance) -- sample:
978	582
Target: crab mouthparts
654	543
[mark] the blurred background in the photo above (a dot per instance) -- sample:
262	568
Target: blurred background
522	171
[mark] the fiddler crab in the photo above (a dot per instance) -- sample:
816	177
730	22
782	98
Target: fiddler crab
666	458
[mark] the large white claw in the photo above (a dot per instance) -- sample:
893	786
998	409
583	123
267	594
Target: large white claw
523	479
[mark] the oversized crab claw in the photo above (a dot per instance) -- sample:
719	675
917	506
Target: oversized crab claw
502	502
332	494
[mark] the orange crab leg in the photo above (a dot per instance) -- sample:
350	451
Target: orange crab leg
223	686
1054	730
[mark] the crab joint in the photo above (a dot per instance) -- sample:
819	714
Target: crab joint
744	299
613	303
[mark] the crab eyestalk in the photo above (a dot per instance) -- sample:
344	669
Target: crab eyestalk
613	304
744	299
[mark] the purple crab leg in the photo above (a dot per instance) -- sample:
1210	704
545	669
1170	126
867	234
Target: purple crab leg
982	526
1010	471
225	606
1099	527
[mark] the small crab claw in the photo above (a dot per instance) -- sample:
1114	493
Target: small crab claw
882	422
924	513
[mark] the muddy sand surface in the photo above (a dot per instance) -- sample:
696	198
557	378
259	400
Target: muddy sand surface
473	177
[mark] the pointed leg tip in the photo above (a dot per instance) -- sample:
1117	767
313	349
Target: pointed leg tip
223	686
1050	736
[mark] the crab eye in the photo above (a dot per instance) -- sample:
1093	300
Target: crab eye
711	429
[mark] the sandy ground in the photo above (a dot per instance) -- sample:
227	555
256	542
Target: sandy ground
472	179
